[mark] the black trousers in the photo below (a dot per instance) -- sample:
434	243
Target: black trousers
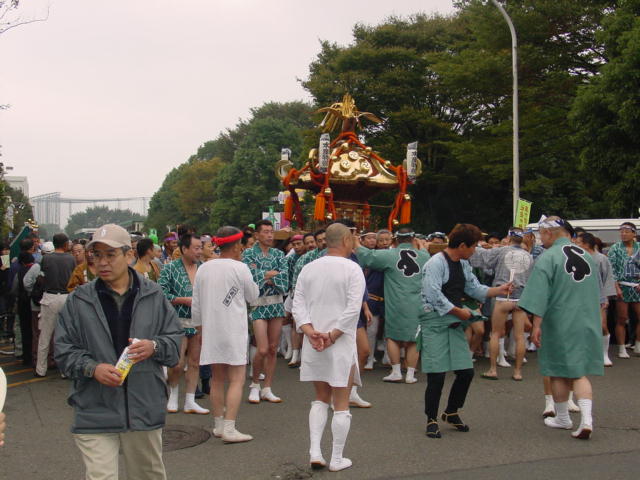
457	395
24	312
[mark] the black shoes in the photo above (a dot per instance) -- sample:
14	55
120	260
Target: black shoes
454	420
433	430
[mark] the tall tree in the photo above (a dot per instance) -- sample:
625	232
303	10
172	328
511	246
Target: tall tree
606	114
446	82
94	217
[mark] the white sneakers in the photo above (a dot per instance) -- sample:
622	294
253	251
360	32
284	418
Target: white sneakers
254	393
356	401
295	358
172	404
556	422
369	364
605	350
622	352
267	394
395	377
341	464
190	405
411	376
231	435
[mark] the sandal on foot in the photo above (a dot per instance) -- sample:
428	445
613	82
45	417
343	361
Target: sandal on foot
433	430
516	379
454	420
489	377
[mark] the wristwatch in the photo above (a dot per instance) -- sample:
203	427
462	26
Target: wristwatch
155	346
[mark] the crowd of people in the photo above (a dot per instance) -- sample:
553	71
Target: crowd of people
332	302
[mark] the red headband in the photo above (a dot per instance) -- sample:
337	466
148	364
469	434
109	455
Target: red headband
230	239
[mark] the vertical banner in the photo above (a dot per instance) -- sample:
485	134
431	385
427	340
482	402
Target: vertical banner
523	212
412	161
323	152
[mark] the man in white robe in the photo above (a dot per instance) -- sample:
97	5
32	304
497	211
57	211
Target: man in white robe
222	288
326	307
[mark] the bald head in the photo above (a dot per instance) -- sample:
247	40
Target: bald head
336	233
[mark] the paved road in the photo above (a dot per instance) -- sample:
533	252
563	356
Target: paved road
507	438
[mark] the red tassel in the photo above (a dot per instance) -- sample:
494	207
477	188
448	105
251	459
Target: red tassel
405	212
288	208
319	212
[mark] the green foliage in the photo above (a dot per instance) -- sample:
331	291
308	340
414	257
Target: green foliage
606	115
94	217
22	209
231	179
446	82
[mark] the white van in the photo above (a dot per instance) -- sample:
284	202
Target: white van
606	229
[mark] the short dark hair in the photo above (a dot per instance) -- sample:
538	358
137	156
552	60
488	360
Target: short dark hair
26	244
143	246
304	237
227	231
60	240
319	232
464	233
186	239
184	229
628	224
25	258
403	237
588	238
261	223
492	235
347	222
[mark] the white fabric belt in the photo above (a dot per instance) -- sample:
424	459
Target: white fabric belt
628	284
268	300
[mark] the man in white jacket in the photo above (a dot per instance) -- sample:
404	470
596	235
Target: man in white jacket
326	308
222	288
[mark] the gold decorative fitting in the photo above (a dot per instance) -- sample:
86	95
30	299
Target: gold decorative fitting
327	191
407	197
368	150
334	158
387	163
345	146
396	222
345	164
329	216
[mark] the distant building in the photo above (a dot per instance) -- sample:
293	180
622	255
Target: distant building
18	183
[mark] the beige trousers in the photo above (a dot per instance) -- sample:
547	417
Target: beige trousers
50	307
142	452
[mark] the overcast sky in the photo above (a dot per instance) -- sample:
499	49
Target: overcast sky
108	96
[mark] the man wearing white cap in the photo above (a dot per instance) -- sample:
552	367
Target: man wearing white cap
114	411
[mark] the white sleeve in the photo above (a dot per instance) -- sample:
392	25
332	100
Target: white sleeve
196	312
299	310
30	277
251	289
355	293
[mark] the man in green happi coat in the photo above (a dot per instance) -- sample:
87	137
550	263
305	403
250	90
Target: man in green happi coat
563	295
448	286
402	268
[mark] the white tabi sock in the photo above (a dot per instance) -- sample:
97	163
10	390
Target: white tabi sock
285	340
317	422
606	339
585	410
562	412
411	373
636	348
340	426
395	369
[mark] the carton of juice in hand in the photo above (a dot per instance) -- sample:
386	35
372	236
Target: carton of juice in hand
124	362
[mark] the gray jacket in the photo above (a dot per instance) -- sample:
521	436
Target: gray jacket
502	260
83	340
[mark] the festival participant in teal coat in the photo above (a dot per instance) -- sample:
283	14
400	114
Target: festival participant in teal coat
402	268
563	294
447	284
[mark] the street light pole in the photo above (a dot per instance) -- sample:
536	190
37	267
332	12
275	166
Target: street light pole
516	149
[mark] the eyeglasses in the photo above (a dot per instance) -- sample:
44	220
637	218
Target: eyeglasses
109	256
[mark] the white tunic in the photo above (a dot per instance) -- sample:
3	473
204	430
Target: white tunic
221	291
329	295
